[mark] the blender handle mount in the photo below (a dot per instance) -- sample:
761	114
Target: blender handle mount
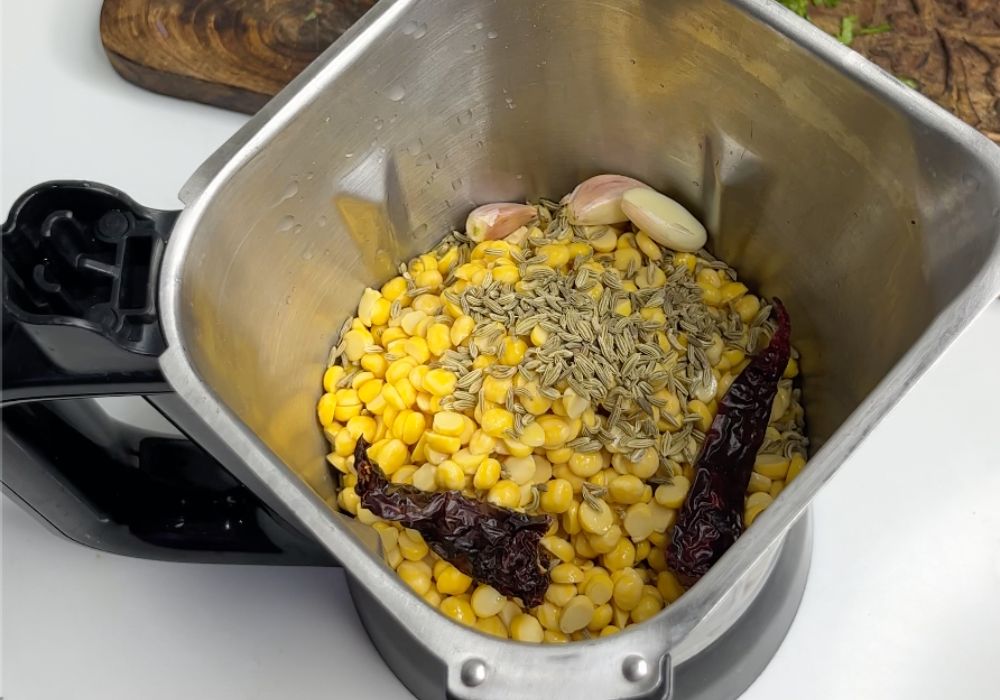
80	274
80	278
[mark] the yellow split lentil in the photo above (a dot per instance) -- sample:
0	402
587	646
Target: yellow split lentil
453	396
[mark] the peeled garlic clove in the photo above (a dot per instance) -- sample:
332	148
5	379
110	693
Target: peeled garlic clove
664	220
492	222
598	201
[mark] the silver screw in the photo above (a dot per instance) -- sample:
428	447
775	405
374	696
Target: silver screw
635	668
473	672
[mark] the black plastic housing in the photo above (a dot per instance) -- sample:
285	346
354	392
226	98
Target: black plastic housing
80	276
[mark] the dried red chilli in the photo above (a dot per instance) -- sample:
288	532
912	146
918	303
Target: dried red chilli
711	518
493	545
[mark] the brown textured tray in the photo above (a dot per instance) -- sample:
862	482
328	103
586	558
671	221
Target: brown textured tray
238	53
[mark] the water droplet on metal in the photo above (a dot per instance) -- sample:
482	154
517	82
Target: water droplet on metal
321	221
409	28
378	124
349	154
456	184
296	228
479	25
286	223
290	191
383	259
491	34
396	92
415	147
420	32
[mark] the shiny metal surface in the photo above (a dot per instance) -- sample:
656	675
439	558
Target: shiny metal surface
739	654
871	212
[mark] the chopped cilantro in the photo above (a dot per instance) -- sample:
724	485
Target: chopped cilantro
847	25
876	29
909	82
799	7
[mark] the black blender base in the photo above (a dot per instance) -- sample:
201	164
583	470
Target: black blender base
734	661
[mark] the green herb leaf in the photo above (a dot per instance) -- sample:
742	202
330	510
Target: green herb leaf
826	3
846	35
799	7
909	82
876	29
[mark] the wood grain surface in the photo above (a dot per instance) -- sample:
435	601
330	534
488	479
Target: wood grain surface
238	53
230	53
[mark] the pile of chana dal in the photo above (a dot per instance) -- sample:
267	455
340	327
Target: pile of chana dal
547	363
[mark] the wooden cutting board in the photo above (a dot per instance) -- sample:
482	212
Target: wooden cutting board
238	53
234	54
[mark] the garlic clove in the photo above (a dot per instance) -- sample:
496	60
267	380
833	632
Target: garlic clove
598	200
664	220
491	222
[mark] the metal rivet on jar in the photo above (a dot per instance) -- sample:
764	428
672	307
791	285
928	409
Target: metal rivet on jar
474	672
635	668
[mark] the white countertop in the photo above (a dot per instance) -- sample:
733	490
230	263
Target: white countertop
916	616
